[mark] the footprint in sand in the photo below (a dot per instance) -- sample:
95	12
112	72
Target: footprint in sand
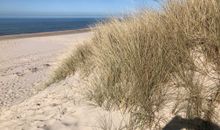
19	74
35	69
46	65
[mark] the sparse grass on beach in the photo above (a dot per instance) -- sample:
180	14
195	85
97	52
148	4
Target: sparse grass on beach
143	62
79	59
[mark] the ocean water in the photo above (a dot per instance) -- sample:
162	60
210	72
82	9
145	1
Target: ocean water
9	26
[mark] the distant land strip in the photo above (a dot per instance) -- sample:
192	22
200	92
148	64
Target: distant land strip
42	34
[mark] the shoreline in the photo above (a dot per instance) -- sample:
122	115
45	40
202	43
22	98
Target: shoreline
43	34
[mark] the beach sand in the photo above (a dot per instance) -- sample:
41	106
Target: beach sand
25	63
25	103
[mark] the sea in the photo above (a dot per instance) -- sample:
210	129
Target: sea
10	26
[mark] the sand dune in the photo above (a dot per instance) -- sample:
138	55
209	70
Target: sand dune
59	107
25	65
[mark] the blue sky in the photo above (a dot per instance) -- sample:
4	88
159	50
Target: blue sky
70	8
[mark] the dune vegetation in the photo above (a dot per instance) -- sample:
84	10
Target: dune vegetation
77	60
154	62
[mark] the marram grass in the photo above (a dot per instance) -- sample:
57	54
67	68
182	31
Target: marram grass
144	62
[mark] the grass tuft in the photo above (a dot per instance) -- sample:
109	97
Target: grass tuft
79	59
144	62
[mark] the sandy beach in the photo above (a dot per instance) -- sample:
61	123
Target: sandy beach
110	65
25	104
25	62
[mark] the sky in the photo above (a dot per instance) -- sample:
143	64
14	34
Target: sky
71	8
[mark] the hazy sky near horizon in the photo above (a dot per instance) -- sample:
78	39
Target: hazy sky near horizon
70	8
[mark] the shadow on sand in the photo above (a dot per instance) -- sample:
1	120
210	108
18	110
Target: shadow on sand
178	123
